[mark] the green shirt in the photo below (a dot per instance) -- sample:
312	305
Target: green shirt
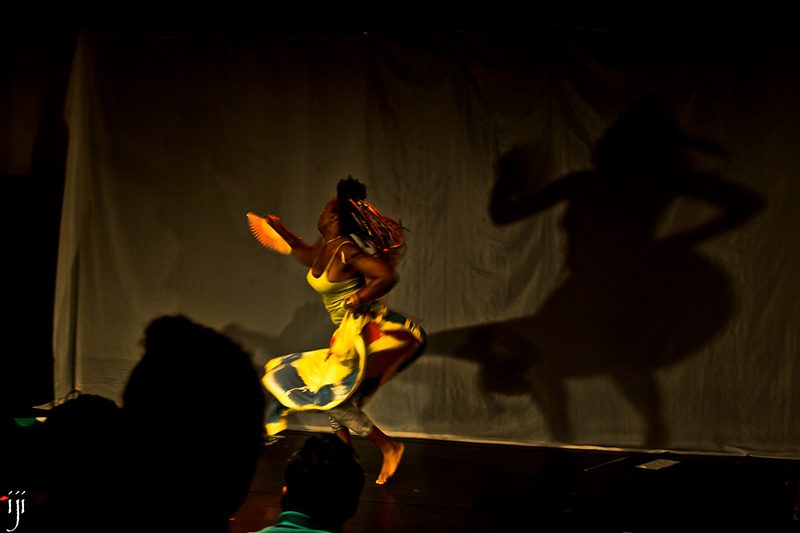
292	522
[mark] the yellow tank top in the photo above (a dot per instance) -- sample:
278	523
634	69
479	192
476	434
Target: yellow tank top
334	293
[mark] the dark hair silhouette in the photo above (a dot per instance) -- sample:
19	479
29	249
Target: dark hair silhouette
194	409
647	137
71	457
347	190
323	480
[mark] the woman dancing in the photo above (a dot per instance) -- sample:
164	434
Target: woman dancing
351	267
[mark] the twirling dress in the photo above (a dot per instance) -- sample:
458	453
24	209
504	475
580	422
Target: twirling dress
322	379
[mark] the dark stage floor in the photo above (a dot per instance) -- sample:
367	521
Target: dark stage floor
448	486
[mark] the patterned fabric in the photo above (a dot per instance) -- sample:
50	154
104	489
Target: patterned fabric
323	379
362	355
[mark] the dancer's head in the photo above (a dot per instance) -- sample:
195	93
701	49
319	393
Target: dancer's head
337	215
323	480
347	190
348	213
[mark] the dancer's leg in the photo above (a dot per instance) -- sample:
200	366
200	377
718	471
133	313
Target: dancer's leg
392	453
340	430
350	416
386	362
357	421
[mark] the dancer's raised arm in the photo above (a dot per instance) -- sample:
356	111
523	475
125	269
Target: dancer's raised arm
301	250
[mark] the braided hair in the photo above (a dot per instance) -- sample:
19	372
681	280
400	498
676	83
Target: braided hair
348	191
377	233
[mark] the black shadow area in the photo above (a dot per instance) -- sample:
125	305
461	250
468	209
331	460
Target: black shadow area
632	300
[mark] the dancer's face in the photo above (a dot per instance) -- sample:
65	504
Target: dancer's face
329	214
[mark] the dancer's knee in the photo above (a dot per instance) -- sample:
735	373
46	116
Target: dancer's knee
353	418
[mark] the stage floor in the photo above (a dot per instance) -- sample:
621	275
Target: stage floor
444	486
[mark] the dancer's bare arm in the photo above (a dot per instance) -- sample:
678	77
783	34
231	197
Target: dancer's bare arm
380	276
301	250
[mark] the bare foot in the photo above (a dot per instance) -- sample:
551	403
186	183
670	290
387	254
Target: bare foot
390	461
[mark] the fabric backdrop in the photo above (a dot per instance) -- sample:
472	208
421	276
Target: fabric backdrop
631	281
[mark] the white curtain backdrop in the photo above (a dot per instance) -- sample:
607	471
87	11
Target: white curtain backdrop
570	318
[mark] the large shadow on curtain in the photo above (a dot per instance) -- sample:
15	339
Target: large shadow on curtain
632	301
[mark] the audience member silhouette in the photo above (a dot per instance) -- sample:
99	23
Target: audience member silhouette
67	464
178	456
194	410
323	481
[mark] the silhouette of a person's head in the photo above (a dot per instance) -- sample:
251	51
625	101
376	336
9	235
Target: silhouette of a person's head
323	480
194	409
71	463
646	136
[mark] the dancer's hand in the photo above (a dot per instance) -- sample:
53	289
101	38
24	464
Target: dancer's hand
277	225
353	302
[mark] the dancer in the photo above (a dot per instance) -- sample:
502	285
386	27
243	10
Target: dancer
351	266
